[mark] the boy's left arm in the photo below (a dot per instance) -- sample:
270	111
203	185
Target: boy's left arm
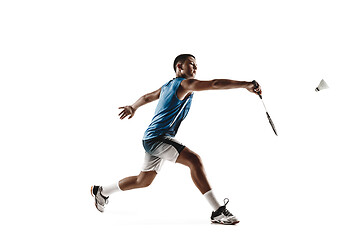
131	109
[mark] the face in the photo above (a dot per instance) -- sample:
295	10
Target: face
188	68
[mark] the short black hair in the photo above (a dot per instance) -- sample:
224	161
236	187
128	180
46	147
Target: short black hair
181	58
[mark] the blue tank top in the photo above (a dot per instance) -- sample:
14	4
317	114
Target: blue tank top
170	111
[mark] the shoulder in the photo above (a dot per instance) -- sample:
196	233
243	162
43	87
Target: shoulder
197	85
183	89
188	82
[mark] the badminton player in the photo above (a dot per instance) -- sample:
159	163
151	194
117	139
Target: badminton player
174	101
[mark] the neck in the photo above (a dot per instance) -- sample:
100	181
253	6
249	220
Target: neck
180	75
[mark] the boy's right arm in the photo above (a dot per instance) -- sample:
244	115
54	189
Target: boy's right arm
197	85
131	109
190	85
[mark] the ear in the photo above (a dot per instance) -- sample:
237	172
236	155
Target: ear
179	65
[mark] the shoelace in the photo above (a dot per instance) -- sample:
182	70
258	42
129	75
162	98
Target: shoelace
225	211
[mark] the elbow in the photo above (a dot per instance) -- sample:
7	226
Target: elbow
147	98
215	84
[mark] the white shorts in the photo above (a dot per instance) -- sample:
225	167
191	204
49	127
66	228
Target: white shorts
159	149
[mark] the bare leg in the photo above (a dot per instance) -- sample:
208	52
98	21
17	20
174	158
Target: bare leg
144	179
193	161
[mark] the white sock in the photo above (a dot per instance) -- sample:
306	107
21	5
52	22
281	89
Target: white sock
110	189
209	195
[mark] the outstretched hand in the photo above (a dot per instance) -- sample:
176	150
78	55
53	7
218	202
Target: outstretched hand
127	110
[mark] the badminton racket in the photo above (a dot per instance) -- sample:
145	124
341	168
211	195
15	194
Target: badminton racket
256	85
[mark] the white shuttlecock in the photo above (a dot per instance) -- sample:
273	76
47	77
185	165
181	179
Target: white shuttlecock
322	85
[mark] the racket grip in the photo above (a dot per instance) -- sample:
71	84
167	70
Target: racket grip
256	85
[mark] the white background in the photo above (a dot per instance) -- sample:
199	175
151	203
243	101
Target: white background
66	66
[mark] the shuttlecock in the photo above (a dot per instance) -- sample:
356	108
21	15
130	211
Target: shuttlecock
322	85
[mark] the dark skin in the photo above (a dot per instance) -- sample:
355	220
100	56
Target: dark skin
186	70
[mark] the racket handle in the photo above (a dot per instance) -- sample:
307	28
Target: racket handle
256	85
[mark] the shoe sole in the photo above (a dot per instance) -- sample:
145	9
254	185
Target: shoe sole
222	223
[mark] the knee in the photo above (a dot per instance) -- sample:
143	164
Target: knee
195	161
143	182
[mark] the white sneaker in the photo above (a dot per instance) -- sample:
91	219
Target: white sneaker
223	216
100	200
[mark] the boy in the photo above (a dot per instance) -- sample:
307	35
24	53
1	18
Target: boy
174	103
